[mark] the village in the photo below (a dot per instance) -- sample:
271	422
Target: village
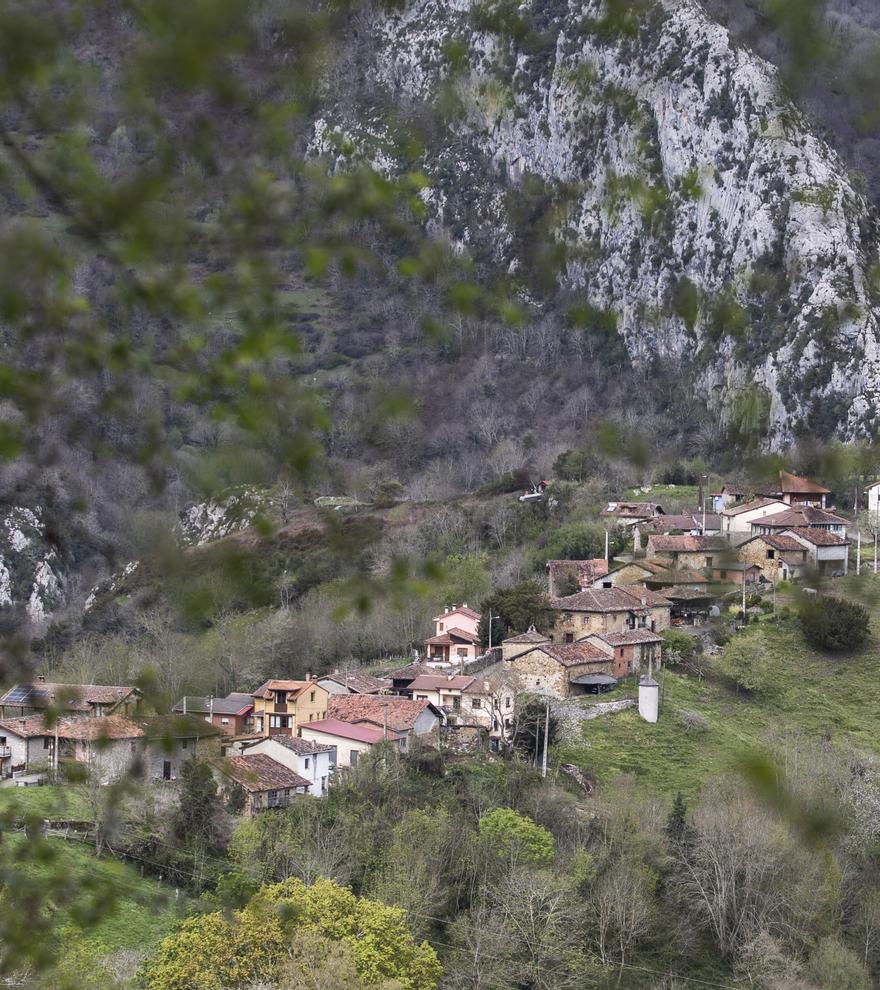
270	744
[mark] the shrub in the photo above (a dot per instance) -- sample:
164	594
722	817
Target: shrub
834	624
743	666
693	721
514	836
680	648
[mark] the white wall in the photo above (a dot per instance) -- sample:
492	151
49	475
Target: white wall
314	767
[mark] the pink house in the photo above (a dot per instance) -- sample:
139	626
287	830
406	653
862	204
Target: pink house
455	638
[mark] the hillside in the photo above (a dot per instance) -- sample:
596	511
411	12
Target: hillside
809	700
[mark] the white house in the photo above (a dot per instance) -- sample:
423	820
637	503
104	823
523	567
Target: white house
484	701
25	745
350	740
873	493
312	760
737	520
455	638
826	551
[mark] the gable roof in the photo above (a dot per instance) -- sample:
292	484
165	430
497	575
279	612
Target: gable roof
458	610
302	747
402	712
108	727
633	510
757	503
296	688
678	593
410	672
818	537
630	636
792	484
608	600
176	727
452	636
259	772
804	515
356	681
371	734
570	654
26	727
235	703
531	635
437	682
71	697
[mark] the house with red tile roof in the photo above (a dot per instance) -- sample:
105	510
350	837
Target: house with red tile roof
737	519
455	638
800	491
558	669
352	739
408	716
353	682
696	552
264	782
781	558
827	552
632	651
607	610
94	700
802	517
312	760
283	706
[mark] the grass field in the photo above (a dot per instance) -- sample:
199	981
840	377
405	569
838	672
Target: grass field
836	698
101	935
51	802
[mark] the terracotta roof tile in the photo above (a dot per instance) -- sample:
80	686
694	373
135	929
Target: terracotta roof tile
685	544
357	681
631	636
264	691
804	515
792	484
95	729
531	636
757	503
371	734
573	654
819	537
259	772
437	682
402	712
73	697
608	600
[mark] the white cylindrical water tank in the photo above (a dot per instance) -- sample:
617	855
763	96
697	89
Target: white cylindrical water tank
649	698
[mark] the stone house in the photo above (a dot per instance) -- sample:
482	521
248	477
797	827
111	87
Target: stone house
455	638
696	552
313	761
607	610
171	740
655	574
632	651
412	718
781	558
826	551
737	519
631	513
583	573
266	783
351	740
92	700
283	706
736	572
554	668
522	643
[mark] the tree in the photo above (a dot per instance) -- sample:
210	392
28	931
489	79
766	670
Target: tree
195	821
514	610
213	952
677	823
515	838
530	722
743	665
834	624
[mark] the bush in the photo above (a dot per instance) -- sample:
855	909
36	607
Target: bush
511	835
693	721
743	666
680	648
834	624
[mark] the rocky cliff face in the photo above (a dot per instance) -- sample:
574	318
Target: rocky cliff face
684	195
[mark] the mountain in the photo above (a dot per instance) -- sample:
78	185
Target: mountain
690	204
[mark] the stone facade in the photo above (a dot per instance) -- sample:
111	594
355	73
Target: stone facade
540	673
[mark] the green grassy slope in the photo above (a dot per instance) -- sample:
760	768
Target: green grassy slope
836	698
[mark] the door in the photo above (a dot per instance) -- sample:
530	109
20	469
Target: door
166	770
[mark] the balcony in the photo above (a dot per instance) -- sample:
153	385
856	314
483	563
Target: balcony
5	752
280	709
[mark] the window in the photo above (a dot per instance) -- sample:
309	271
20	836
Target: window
259	723
308	763
166	770
568	638
585	620
462	651
621	652
46	742
279	721
441	627
312	696
280	697
224	721
184	743
353	761
607	584
508	701
323	785
476	703
771	554
709	561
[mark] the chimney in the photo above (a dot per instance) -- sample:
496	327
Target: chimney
464	604
644	600
308	675
449	677
22	722
41	678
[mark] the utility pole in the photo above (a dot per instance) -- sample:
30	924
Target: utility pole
491	619
858	551
546	734
385	721
744	595
606	546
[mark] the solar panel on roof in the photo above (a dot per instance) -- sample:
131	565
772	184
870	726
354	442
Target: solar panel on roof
22	693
